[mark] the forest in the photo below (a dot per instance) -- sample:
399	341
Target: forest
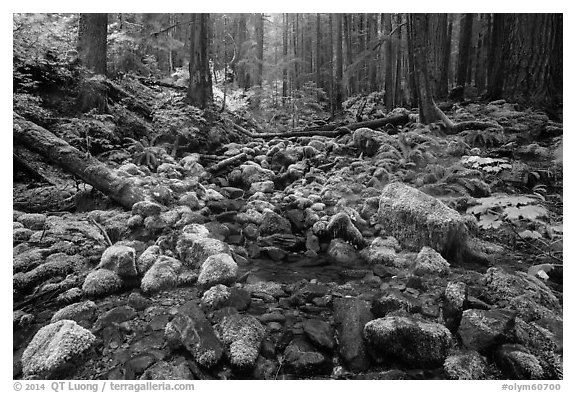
278	196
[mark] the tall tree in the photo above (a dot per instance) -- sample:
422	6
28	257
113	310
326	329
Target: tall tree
92	35
466	22
259	32
388	72
339	77
285	58
438	34
496	57
200	88
418	26
372	37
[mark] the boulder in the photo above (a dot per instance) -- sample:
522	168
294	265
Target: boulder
430	262
191	329
194	249
381	252
320	333
120	259
253	173
411	341
482	329
341	226
216	296
343	253
34	221
146	209
303	359
163	275
367	140
455	295
416	220
273	223
351	315
55	349
465	365
394	300
516	362
164	370
147	259
83	313
242	336
101	282
218	269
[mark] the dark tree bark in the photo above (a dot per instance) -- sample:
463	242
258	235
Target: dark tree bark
200	88
347	26
398	100
428	110
445	77
480	72
339	77
438	47
259	32
464	45
241	71
388	71
285	58
319	57
496	57
372	37
87	168
92	35
296	47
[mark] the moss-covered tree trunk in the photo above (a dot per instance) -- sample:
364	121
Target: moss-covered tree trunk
92	35
200	88
87	168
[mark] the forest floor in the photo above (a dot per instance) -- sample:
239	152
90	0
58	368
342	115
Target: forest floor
322	282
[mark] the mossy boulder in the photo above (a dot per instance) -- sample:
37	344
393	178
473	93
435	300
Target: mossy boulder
416	220
101	282
82	313
120	259
465	365
55	349
218	269
242	336
194	249
164	274
411	341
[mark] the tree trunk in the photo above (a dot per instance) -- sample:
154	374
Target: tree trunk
497	52
438	41
373	60
445	77
464	45
388	71
92	35
239	66
428	110
350	88
480	74
200	88
259	32
319	59
87	168
398	100
285	58
339	77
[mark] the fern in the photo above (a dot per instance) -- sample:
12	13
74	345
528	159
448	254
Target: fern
145	153
486	164
492	211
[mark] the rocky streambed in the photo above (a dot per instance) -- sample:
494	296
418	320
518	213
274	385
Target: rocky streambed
306	260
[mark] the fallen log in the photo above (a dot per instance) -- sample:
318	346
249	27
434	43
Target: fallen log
330	130
228	161
151	82
86	167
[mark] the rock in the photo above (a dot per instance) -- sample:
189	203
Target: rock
482	329
21	235
114	317
164	370
380	252
263	186
303	359
147	259
216	296
465	365
343	253
350	315
414	342
56	265
526	294
55	349
367	140
273	223
163	275
312	242
138	302
394	300
253	173
275	253
416	219
242	336
146	209
455	295
155	224
271	288
191	329
430	262
340	226
83	313
516	362
218	269
101	282
194	249
120	259
34	221
320	333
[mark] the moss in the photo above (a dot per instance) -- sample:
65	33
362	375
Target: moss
120	259
429	261
76	312
340	226
468	365
101	282
242	335
56	265
417	219
162	275
218	269
194	249
54	348
147	259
